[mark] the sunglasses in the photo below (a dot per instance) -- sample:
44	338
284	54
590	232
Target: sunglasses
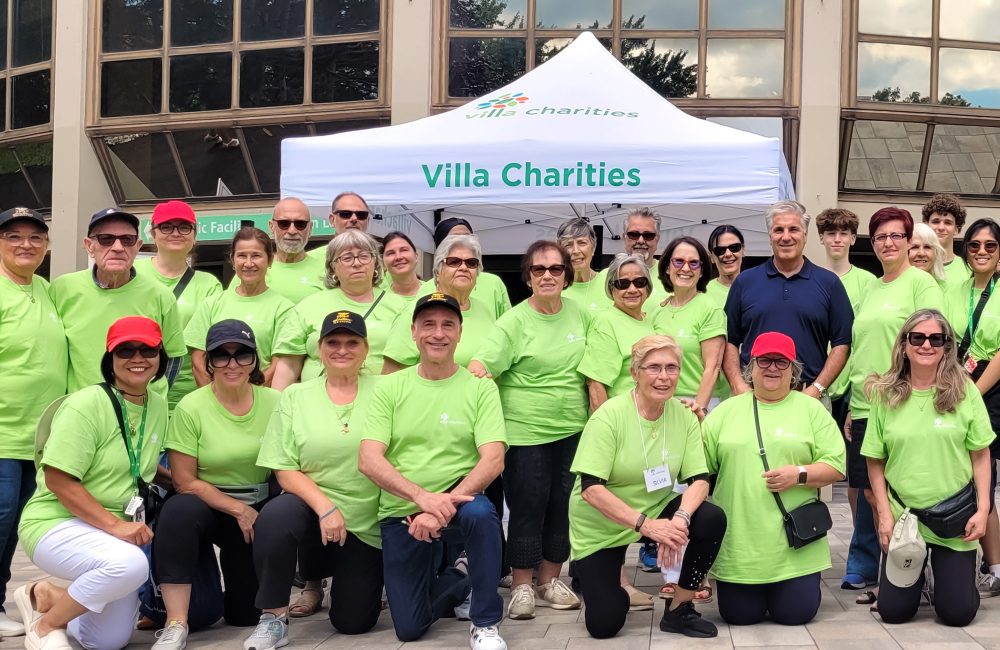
285	224
128	351
636	235
455	262
719	251
916	339
679	263
990	246
624	283
107	241
169	228
221	359
362	215
538	270
778	362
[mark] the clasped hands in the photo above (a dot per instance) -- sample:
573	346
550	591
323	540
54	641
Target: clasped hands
670	536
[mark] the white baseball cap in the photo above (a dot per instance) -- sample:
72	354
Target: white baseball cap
904	563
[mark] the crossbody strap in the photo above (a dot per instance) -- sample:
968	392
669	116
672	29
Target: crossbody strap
183	282
116	405
763	458
974	321
374	305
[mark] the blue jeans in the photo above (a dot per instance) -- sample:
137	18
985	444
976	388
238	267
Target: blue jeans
418	595
863	555
17	484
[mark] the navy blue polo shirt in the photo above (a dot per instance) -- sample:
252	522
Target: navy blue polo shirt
811	306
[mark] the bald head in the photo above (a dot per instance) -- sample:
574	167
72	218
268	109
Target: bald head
286	218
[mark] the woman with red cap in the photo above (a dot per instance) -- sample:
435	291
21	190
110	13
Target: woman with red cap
772	450
86	521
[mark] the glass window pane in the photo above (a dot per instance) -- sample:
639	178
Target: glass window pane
32	28
884	155
963	159
741	14
3	38
200	82
579	14
345	72
208	161
969	78
272	77
893	73
345	16
895	17
263	20
37	160
477	66
668	65
769	127
488	14
745	68
144	166
546	48
198	22
660	14
971	21
131	87
14	189
128	25
265	150
30	96
3	106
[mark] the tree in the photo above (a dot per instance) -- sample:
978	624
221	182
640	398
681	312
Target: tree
480	66
893	94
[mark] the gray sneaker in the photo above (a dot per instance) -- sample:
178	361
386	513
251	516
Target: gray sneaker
462	611
271	632
172	637
988	585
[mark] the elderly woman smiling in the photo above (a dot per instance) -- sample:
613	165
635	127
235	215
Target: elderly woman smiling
577	236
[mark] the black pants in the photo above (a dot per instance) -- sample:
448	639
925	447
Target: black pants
600	572
187	527
538	484
857	465
956	599
788	602
287	523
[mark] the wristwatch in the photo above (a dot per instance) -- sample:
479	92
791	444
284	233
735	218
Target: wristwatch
820	387
803	475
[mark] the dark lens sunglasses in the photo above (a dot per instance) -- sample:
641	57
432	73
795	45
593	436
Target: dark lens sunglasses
777	362
636	235
128	351
990	246
362	215
182	228
916	339
624	283
719	251
221	359
455	262
285	224
107	241
538	270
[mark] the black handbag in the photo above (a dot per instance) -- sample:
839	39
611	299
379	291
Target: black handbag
947	519
806	523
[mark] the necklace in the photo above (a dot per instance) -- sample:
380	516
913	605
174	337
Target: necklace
344	415
29	293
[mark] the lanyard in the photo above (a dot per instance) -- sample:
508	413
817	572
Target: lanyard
642	441
972	291
134	457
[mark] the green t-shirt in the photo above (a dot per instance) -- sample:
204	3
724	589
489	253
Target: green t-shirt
608	354
612	448
717	292
270	315
202	286
956	271
305	434
696	322
956	300
33	362
884	309
225	445
432	429
477	323
592	295
533	358
304	338
294	280
86	443
489	289
986	338
926	453
409	300
87	311
796	431
855	282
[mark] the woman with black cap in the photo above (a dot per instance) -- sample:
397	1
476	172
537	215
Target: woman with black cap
490	288
213	441
329	510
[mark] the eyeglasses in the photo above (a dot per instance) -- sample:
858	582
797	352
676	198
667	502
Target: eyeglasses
916	339
17	239
679	263
990	246
894	236
455	262
128	351
362	215
182	228
654	370
719	251
778	362
285	224
107	241
538	270
349	258
645	235
242	358
624	283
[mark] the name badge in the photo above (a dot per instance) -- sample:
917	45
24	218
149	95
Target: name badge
970	364
657	478
135	510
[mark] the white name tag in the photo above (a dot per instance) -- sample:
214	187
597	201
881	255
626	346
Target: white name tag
657	478
135	510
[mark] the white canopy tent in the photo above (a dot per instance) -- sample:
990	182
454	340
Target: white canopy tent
579	135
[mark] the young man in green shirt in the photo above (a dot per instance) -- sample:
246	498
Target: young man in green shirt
946	215
434	439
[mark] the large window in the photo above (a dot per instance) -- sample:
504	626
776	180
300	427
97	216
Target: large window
25	68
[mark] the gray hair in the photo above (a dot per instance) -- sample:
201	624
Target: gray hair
642	213
333	205
623	259
784	207
452	241
796	373
924	234
348	239
576	227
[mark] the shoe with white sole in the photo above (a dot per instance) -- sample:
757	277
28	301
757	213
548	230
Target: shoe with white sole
522	603
54	640
271	632
172	637
24	598
557	595
9	627
486	638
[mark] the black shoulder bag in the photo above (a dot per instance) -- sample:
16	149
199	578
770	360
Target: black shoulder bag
946	519
805	524
152	499
984	297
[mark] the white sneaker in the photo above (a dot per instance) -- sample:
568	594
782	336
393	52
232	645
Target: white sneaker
172	637
54	640
462	611
486	638
522	603
557	595
10	627
271	632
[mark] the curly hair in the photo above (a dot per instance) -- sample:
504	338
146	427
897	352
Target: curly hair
945	203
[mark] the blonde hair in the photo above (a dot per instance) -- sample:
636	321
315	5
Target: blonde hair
892	388
653	343
924	234
348	239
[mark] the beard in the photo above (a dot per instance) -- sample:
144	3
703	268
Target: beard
290	247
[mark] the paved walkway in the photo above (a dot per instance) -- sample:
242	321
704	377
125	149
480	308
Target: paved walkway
840	623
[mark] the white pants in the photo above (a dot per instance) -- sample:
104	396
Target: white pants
106	573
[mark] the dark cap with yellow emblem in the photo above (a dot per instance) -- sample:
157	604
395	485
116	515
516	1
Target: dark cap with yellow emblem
343	320
437	299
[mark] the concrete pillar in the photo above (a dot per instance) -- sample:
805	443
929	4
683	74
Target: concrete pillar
412	61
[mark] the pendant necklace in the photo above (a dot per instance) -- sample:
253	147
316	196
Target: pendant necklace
344	415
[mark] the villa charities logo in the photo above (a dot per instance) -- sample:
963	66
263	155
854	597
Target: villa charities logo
509	105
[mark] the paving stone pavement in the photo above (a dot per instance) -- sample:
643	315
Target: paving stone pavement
840	624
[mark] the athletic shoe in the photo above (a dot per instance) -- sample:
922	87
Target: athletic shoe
507	581
522	603
9	627
54	640
685	620
647	557
988	585
462	611
172	637
271	632
557	595
486	638
855	581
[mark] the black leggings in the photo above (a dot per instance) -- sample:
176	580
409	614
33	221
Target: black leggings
600	573
287	523
956	599
188	527
788	602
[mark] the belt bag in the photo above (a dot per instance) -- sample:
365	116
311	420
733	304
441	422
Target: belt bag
248	494
948	518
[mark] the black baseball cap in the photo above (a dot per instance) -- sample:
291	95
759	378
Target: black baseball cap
444	228
343	320
229	331
22	214
112	213
437	299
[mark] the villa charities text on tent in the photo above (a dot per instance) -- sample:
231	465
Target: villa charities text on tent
526	174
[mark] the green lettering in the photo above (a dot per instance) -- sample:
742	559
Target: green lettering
509	167
633	175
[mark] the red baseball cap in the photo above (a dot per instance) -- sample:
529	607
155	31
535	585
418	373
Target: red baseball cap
774	343
172	211
134	328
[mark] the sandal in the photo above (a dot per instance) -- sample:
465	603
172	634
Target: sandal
701	596
866	598
307	604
